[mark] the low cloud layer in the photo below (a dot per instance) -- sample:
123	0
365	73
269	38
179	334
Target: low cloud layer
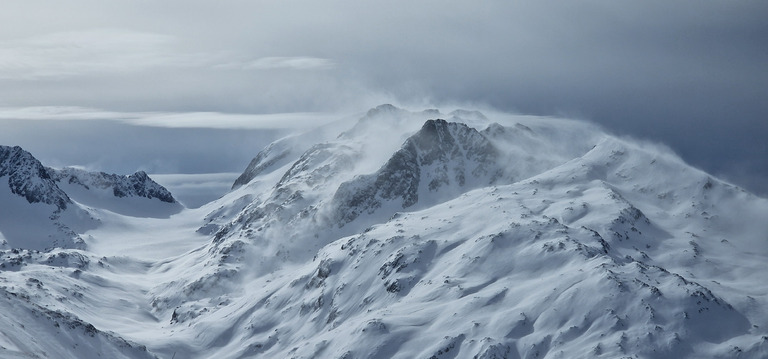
120	147
210	120
270	63
690	74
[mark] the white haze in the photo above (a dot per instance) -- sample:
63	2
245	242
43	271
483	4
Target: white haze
213	120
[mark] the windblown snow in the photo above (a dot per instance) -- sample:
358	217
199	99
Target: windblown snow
396	234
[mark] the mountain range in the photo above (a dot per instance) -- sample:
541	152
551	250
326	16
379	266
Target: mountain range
394	234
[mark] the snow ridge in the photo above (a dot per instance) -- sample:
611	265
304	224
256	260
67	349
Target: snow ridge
136	185
268	157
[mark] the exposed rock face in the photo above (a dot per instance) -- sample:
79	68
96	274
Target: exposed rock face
136	185
440	156
40	222
28	178
55	206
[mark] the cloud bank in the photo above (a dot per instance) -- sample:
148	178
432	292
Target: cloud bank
210	120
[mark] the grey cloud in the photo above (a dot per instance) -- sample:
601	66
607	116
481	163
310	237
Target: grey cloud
687	73
186	120
100	51
268	63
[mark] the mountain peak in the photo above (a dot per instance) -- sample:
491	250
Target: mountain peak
138	184
61	203
383	109
440	156
28	178
33	197
434	125
468	114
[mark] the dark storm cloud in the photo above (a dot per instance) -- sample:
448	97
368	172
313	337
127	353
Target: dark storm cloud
691	74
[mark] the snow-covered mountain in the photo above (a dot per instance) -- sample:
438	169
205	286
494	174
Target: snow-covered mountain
403	234
28	178
44	208
135	185
35	213
133	195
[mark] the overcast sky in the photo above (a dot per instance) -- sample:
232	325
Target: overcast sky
690	74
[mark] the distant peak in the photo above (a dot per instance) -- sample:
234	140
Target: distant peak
468	114
383	109
495	126
138	184
28	178
434	124
10	151
140	175
433	131
520	126
494	130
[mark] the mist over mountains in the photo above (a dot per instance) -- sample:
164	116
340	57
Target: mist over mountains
395	234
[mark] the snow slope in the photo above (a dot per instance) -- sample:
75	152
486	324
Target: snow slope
44	208
134	195
417	234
